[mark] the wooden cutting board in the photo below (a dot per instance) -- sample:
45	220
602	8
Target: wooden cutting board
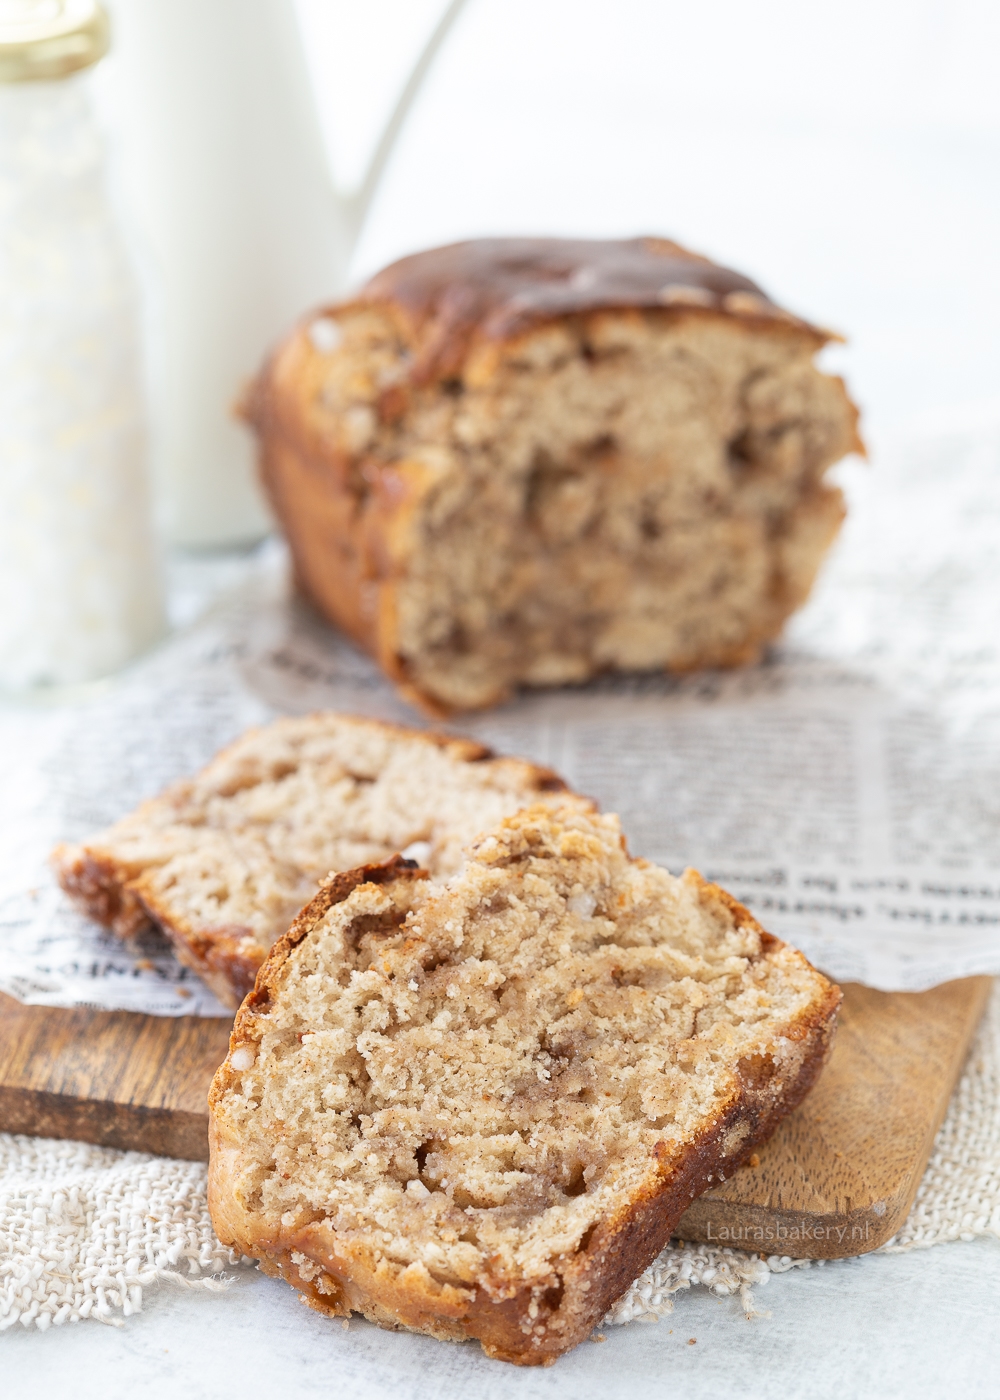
110	1077
837	1178
840	1174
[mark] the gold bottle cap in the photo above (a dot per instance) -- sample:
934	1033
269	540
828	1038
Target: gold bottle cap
43	39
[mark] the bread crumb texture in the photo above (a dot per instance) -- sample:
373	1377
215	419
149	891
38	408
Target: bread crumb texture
223	861
478	1110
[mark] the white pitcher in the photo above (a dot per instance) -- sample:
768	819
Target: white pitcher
226	175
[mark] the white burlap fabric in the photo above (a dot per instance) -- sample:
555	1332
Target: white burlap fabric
84	1230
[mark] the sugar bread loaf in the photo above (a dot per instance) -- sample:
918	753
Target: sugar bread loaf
523	462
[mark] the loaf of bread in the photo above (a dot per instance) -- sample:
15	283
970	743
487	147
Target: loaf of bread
222	862
522	462
479	1109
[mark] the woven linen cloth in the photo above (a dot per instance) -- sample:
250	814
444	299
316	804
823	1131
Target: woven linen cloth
85	1230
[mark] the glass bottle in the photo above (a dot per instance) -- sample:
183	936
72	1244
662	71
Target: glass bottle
80	583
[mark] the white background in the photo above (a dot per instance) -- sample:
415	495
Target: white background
846	155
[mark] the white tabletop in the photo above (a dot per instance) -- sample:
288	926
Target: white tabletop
922	1323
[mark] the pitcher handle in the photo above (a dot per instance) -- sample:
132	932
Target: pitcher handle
355	206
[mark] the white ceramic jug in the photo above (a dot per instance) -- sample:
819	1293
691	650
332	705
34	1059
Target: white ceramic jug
226	176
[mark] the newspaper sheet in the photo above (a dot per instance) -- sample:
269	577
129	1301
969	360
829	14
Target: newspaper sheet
847	789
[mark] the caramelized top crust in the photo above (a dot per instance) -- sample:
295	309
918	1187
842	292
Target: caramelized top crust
447	299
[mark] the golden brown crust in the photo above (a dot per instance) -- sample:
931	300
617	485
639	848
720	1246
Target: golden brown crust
98	886
447	300
105	889
512	1320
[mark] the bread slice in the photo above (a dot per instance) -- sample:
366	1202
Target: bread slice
222	862
479	1110
524	461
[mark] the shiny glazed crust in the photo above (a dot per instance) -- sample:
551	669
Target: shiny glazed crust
338	1277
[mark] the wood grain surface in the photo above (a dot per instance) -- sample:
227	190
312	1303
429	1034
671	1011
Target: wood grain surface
841	1172
837	1178
110	1077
